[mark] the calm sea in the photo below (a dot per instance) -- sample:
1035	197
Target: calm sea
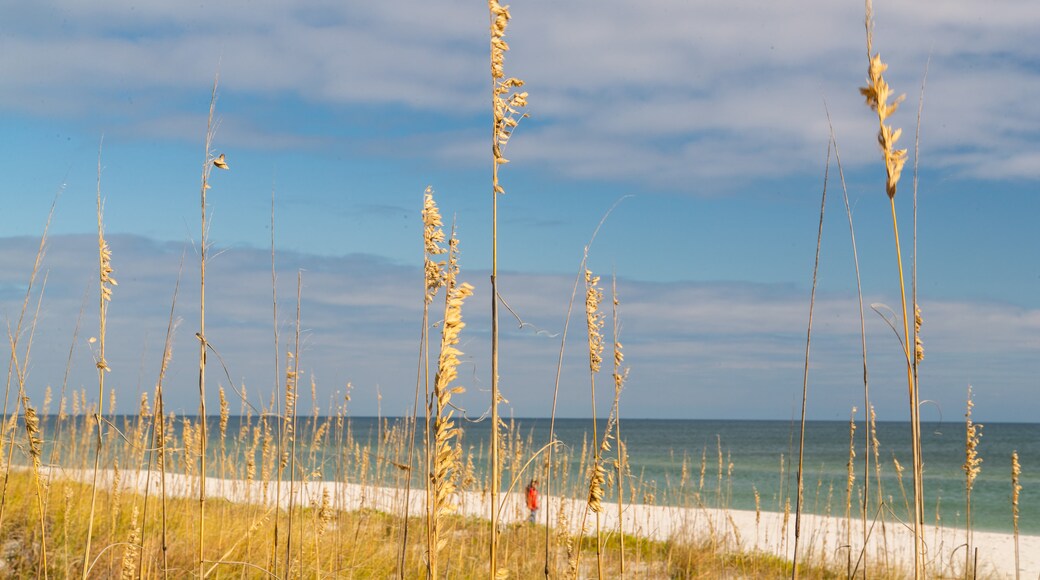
755	456
657	450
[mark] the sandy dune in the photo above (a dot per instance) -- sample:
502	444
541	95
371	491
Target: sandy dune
735	529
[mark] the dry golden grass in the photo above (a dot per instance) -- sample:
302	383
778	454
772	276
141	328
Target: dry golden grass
276	530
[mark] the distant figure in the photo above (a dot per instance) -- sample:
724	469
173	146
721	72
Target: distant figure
532	500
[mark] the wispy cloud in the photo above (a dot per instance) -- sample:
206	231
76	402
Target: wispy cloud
676	95
721	349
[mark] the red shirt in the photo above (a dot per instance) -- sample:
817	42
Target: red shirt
532	497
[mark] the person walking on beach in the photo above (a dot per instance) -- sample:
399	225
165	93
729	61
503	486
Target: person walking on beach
532	500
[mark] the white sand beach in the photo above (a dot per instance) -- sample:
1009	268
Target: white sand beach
734	529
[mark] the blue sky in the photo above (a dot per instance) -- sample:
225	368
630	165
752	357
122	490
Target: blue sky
707	119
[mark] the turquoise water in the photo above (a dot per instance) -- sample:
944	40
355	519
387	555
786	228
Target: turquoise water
763	455
657	449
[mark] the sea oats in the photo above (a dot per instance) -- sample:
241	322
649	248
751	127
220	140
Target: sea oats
972	467
132	548
878	96
1016	488
433	237
446	461
594	320
918	345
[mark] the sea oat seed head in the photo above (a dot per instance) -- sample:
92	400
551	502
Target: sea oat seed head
918	345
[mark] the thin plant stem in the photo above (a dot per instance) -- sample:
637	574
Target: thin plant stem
290	411
104	282
862	337
559	372
805	373
275	400
207	166
38	261
160	421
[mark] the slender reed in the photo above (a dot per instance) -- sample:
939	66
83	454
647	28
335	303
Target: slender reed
207	166
972	466
12	362
878	95
32	435
159	421
291	396
507	114
559	370
1016	488
594	322
805	372
105	283
435	277
620	376
868	408
273	560
850	483
32	426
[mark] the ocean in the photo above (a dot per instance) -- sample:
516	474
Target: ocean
667	458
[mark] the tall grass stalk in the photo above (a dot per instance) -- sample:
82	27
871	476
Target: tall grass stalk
620	376
435	277
878	95
869	436
507	113
446	455
850	485
972	466
292	395
32	429
105	283
273	559
32	433
1016	488
594	322
5	419
918	344
65	378
805	372
207	166
159	422
552	443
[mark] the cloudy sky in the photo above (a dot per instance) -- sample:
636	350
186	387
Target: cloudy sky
705	122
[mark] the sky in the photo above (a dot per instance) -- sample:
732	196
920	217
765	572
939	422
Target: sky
696	135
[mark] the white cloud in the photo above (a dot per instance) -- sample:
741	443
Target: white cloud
710	350
666	93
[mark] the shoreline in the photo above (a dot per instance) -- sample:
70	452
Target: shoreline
821	537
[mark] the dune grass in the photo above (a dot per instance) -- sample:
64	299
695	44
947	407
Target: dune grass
249	504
